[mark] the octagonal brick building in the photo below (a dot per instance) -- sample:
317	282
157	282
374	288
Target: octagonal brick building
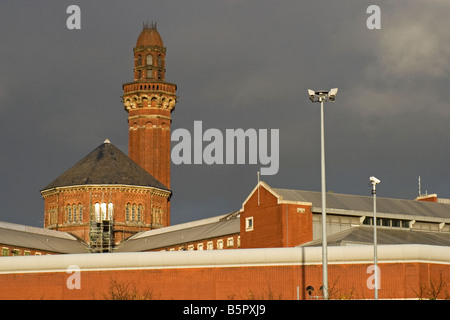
108	196
105	198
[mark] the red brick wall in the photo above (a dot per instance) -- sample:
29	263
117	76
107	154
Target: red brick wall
274	225
398	281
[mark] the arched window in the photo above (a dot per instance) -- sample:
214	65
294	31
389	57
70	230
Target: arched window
133	212
69	212
127	212
149	60
103	208
160	61
75	215
139	213
97	211
149	73
80	212
110	211
139	60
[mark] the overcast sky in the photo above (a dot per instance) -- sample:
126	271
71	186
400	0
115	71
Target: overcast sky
237	64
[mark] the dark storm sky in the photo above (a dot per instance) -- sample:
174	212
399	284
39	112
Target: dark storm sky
237	64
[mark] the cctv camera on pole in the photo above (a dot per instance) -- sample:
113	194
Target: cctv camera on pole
374	181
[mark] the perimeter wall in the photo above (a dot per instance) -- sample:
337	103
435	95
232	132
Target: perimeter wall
407	272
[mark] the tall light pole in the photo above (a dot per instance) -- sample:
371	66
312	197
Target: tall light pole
374	182
323	96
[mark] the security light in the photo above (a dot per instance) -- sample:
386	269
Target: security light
311	94
374	180
332	94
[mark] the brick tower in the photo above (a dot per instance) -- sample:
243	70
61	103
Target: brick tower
149	101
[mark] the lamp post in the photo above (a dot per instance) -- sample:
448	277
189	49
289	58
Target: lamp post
323	96
374	182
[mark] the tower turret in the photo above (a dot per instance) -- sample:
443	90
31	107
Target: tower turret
149	101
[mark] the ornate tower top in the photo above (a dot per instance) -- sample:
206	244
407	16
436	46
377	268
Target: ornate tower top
149	101
149	55
149	36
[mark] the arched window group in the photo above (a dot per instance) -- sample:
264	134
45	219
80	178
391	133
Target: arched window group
74	212
134	212
103	211
150	61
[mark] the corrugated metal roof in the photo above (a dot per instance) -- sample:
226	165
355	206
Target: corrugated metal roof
39	239
149	241
365	203
364	236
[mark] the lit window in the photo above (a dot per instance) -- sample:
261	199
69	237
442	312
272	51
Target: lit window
210	245
191	247
249	224
110	211
16	252
230	242
149	60
220	244
97	211
103	208
200	246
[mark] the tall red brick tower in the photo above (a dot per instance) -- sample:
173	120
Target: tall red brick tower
149	101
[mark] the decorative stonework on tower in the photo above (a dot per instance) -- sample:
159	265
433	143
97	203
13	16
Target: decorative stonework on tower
149	101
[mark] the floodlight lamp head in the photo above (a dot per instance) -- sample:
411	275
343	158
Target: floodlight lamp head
374	180
332	94
311	94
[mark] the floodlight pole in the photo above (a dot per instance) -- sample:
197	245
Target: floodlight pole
323	96
324	206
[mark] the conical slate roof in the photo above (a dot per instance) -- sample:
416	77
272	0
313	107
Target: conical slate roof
106	165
